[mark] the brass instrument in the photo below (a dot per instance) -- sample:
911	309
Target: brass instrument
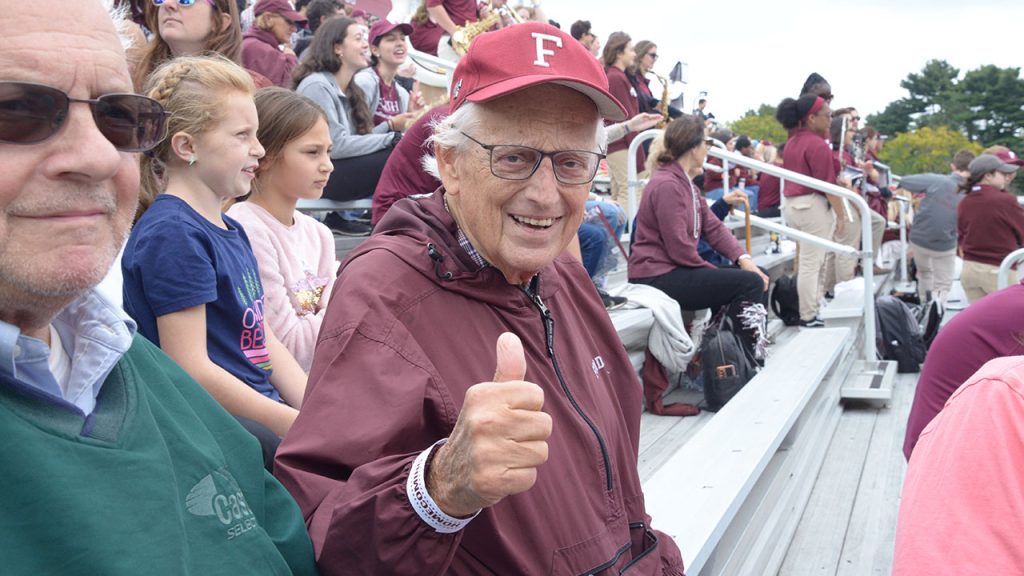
662	106
465	35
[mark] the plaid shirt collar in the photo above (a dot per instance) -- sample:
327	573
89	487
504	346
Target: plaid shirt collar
466	244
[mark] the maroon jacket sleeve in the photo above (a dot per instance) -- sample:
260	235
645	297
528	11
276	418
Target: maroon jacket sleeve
352	487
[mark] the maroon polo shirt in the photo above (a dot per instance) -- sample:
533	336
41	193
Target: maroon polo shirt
622	89
990	225
989	328
809	154
714	180
425	37
768	193
403	173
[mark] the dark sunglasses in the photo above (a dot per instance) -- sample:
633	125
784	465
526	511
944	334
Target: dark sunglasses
182	2
32	113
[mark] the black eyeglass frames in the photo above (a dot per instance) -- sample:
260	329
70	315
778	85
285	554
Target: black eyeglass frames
517	162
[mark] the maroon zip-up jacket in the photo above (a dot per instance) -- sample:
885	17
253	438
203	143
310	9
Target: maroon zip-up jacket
260	53
990	225
672	217
412	326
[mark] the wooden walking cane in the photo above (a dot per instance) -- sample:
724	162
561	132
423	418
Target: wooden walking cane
746	221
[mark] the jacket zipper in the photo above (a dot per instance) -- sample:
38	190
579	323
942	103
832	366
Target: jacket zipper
549	334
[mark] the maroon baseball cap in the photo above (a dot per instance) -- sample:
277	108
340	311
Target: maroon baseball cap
280	7
383	28
1008	157
524	55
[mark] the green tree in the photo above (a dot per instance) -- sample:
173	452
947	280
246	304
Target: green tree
760	124
898	116
993	102
934	90
925	150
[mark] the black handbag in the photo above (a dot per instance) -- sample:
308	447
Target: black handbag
726	365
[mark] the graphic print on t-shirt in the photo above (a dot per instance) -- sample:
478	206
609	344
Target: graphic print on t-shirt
253	340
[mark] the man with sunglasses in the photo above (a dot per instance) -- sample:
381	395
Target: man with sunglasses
115	462
470	408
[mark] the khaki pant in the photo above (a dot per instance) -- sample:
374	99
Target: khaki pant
934	271
980	279
618	170
841	267
810	214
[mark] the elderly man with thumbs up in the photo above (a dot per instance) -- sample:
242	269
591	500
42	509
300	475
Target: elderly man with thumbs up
470	409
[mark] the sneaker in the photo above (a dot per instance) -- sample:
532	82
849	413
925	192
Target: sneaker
612	302
813	323
343	227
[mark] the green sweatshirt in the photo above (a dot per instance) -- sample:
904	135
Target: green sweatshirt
158	480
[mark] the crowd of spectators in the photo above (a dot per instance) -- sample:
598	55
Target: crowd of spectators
407	451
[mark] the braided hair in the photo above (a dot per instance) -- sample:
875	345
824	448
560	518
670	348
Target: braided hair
192	89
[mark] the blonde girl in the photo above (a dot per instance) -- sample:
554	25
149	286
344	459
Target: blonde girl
295	252
191	280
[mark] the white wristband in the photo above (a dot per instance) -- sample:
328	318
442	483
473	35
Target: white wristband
423	504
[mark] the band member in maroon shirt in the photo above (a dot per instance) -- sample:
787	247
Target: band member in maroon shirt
808	120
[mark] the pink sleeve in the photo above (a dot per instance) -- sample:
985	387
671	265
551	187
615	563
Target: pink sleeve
962	509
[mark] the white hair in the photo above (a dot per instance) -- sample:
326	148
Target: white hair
120	16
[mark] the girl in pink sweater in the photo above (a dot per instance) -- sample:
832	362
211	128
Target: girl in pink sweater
295	252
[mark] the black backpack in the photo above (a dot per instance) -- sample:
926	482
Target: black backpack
899	334
726	366
785	300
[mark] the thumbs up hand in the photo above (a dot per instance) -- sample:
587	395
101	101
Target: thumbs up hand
498	442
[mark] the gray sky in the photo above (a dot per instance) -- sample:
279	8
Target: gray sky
744	52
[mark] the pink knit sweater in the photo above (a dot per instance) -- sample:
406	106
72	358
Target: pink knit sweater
297	268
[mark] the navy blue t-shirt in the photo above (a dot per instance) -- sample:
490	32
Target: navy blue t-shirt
176	259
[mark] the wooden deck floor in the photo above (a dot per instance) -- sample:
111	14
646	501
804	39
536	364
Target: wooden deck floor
849	525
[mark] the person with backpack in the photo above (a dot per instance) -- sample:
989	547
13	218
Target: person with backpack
672	218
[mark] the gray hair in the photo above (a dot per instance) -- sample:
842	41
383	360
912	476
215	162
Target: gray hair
447	132
120	16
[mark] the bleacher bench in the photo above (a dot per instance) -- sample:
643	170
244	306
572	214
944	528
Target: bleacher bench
698	492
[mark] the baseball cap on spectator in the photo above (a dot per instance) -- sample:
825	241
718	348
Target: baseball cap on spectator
359	13
517	57
1008	157
383	28
989	163
279	7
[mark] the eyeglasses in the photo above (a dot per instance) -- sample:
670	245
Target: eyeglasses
514	162
183	2
653	55
854	118
32	113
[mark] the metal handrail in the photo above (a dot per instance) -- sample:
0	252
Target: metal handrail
1012	258
866	253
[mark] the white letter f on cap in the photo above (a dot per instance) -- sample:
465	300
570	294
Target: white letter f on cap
541	51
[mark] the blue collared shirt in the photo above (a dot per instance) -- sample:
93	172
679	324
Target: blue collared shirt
95	334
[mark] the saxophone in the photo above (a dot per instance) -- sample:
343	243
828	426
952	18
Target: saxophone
662	106
465	35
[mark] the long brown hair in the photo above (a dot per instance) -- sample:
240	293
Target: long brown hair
616	45
284	116
322	58
227	41
681	135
